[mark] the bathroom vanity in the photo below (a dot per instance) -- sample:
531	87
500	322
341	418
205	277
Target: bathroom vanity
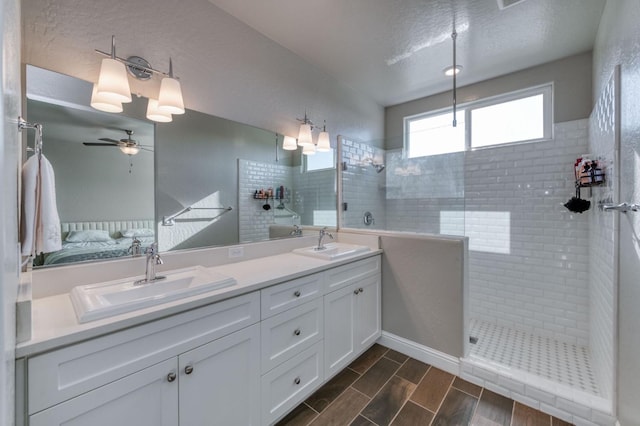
243	355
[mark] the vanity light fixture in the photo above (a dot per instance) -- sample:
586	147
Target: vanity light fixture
289	143
112	88
305	138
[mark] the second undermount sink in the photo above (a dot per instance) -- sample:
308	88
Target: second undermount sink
333	251
102	300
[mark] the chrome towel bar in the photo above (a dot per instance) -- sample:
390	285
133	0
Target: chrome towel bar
622	207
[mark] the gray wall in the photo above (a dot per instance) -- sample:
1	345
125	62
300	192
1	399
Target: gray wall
572	94
95	183
226	68
618	42
196	156
423	289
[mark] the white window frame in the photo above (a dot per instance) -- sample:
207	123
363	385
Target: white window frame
544	89
303	162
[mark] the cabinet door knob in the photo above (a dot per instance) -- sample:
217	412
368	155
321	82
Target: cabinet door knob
360	290
297	332
297	293
356	291
188	369
296	380
171	377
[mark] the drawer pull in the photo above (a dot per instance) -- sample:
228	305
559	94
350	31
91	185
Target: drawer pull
296	380
297	293
171	377
188	369
297	332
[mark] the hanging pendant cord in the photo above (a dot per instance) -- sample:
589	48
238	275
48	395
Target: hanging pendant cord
454	35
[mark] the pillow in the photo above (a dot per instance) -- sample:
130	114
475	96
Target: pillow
87	236
140	232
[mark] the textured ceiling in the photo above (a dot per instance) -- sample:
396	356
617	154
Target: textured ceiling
395	50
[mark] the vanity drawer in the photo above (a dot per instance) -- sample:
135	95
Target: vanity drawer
288	384
347	274
62	374
281	297
290	332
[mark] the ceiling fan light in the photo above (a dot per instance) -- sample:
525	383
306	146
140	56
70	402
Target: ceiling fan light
104	102
304	137
289	143
112	80
170	97
324	144
156	114
130	149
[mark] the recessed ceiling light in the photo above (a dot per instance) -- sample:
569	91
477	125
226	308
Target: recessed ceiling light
449	70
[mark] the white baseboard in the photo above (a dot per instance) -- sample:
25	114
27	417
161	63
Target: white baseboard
420	352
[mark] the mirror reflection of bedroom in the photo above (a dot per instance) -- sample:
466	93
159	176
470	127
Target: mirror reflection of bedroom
104	172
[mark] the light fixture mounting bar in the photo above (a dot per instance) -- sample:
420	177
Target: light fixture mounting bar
131	63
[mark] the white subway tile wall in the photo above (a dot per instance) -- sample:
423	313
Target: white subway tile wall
602	225
528	267
309	195
254	175
528	253
363	188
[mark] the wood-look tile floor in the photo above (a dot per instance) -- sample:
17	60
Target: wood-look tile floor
384	387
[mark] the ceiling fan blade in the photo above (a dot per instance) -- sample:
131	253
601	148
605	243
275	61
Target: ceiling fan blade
146	149
109	140
98	144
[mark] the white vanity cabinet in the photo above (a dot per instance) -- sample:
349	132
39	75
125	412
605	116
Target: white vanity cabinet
200	364
145	398
247	360
352	313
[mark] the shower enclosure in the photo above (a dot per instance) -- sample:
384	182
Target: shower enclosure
541	309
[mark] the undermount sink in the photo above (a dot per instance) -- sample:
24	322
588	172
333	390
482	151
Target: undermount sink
102	300
333	251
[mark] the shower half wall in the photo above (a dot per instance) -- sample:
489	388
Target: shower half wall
530	301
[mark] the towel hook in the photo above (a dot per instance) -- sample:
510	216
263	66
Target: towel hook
23	124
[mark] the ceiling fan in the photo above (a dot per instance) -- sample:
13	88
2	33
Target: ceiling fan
127	145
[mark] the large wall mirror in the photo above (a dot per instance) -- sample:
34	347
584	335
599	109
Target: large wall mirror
196	182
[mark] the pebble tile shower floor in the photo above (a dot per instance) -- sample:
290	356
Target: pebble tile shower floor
550	359
384	387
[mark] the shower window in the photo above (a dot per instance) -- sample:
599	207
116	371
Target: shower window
319	161
521	116
434	134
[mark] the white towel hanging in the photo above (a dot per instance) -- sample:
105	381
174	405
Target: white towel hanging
40	228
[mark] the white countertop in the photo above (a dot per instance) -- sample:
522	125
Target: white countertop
54	322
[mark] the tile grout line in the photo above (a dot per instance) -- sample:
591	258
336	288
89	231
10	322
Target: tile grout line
381	387
443	398
475	409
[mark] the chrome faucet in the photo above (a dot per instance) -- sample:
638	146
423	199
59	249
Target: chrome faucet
153	259
323	232
297	231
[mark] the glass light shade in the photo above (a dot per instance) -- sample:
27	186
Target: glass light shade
170	97
309	149
289	143
113	81
304	137
156	114
104	102
130	150
324	144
